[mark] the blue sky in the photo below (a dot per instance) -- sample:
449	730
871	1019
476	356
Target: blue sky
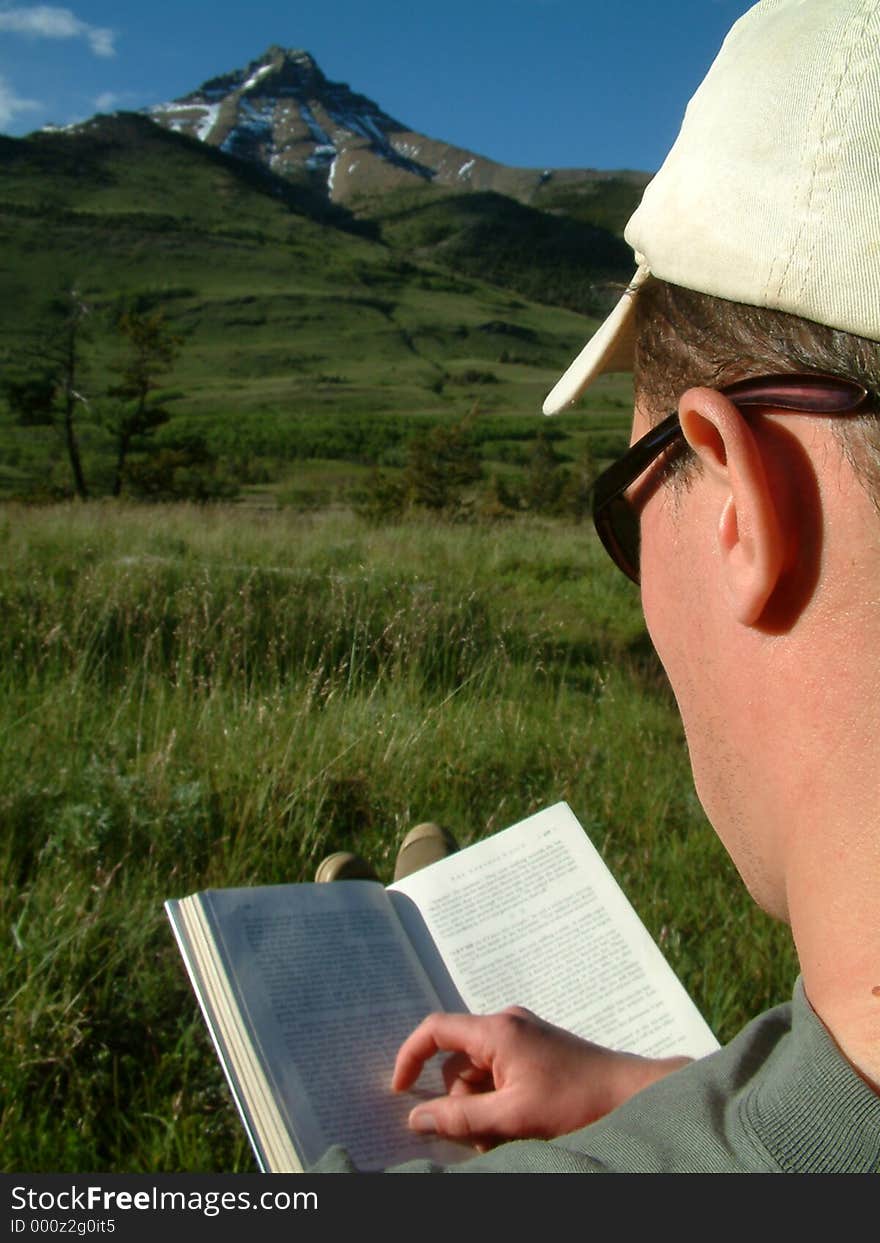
533	83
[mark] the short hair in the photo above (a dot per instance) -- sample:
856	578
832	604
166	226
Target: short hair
684	338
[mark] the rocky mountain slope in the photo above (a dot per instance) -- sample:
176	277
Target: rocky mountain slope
282	112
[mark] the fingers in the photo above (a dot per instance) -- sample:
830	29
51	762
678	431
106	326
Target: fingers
472	1112
450	1033
461	1075
478	1119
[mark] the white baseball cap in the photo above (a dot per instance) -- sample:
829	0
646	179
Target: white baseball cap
770	194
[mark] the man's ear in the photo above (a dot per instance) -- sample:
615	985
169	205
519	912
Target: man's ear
751	545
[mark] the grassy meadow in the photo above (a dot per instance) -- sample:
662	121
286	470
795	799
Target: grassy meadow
219	696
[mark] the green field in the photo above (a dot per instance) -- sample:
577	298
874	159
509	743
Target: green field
219	696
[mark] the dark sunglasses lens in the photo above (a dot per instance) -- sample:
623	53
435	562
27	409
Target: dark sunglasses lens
619	531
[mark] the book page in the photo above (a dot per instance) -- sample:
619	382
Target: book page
328	988
533	917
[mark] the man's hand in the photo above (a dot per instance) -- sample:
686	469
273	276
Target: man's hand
513	1076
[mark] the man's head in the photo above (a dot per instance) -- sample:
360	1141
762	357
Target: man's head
757	245
685	339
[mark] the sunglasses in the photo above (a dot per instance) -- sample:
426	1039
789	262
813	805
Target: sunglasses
616	517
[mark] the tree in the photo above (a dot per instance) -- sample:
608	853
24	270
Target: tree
151	350
544	480
383	499
30	397
440	465
74	312
46	384
498	502
183	470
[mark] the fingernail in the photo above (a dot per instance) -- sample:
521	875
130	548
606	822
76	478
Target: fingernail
424	1123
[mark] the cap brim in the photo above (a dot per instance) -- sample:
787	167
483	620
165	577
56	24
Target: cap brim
610	348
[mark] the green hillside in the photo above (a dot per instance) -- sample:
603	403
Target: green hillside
606	202
306	330
549	256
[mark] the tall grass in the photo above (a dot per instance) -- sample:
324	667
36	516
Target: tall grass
197	698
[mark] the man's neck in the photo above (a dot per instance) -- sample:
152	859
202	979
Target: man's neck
835	920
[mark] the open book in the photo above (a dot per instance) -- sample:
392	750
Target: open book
308	990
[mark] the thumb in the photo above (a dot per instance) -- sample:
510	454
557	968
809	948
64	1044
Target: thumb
463	1117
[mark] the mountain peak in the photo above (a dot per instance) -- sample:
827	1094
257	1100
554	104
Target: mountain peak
280	111
293	68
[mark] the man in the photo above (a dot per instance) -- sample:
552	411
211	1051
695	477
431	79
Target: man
751	517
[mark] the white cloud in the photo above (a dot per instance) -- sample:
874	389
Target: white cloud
11	104
44	21
109	101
